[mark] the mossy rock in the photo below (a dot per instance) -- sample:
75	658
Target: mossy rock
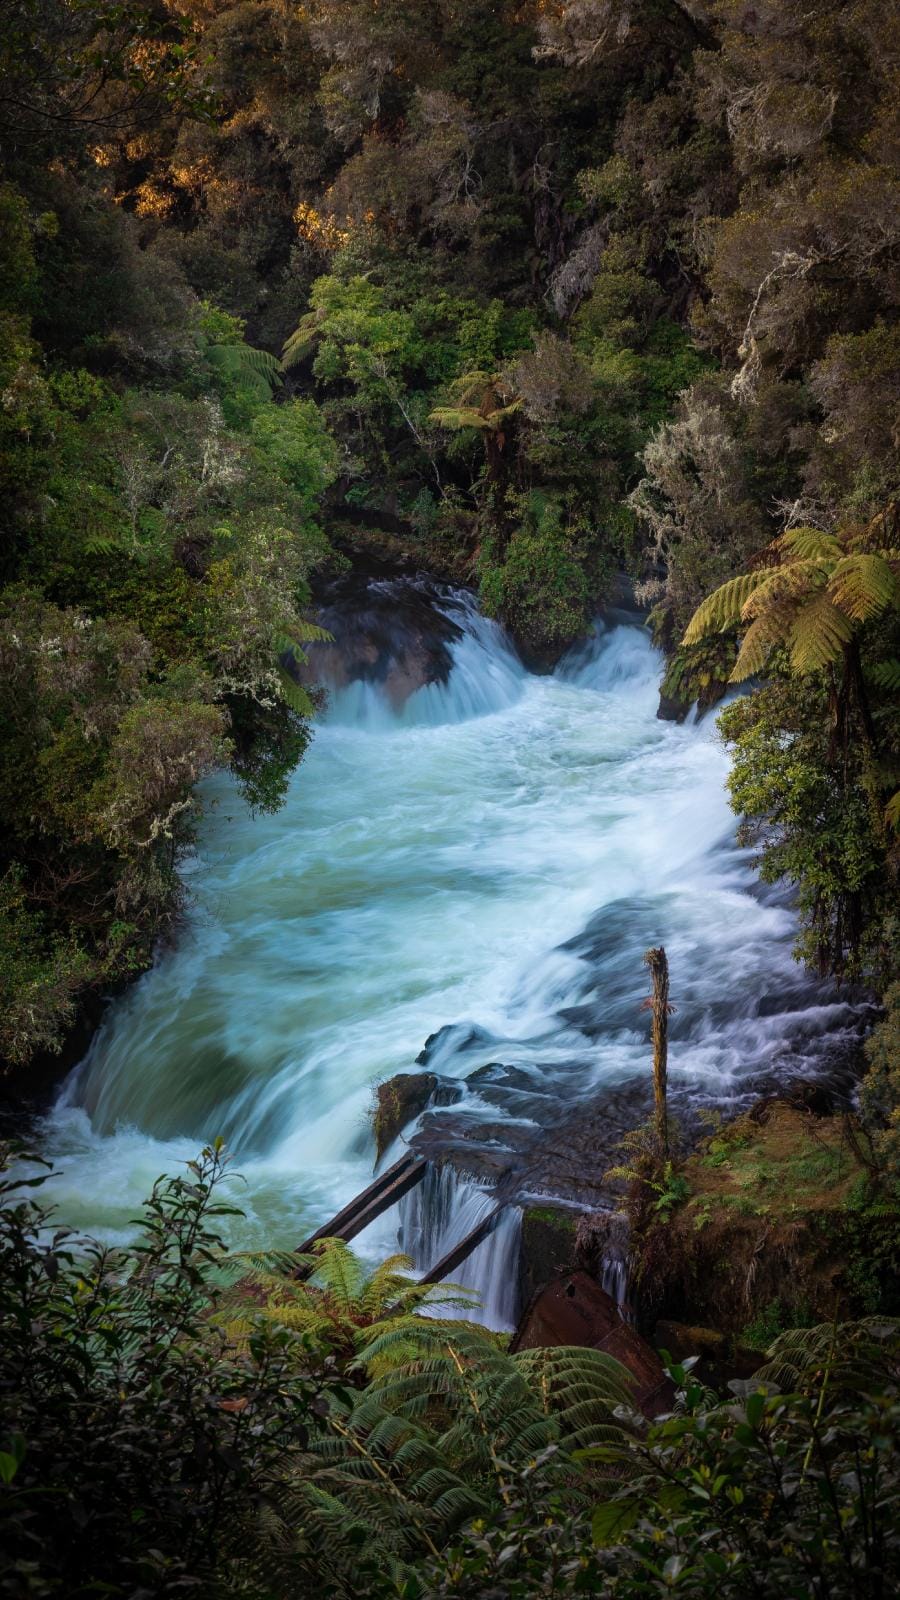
547	1248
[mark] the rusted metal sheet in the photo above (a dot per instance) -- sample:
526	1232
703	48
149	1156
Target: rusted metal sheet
574	1310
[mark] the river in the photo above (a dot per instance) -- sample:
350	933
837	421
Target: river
492	860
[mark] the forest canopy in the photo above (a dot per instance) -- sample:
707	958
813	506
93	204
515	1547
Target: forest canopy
548	293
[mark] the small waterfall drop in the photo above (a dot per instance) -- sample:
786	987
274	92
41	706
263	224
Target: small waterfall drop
439	1214
486	676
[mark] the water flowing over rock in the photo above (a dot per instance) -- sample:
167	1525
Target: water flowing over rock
461	885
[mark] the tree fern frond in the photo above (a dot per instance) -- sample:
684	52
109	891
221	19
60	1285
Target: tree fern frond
472	385
722	609
256	371
458	417
850	1351
300	343
886	674
294	694
863	585
810	543
758	643
818	634
892	812
305	632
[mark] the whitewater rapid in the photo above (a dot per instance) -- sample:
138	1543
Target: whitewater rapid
492	860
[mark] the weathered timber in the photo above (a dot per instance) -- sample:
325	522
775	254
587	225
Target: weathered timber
384	1192
658	1003
455	1257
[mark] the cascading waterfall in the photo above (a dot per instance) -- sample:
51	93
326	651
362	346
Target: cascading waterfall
439	1214
486	864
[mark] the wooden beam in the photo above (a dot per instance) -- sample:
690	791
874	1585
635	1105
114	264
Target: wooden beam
458	1254
384	1192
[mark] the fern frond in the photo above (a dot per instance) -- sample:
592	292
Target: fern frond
500	413
852	1352
300	343
294	694
892	812
886	674
473	385
863	585
810	544
722	609
763	634
458	417
256	371
818	634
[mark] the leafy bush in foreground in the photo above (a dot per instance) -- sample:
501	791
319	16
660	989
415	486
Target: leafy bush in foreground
138	1445
160	1436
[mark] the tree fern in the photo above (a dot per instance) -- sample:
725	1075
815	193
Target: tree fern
479	404
257	372
822	588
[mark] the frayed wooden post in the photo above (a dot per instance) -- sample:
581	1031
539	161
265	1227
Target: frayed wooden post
658	1003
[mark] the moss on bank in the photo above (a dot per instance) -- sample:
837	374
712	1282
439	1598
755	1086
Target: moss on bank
782	1223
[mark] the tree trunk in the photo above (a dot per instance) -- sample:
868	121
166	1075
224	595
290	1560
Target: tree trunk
658	1003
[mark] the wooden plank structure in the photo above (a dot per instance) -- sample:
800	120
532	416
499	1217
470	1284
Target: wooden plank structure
385	1191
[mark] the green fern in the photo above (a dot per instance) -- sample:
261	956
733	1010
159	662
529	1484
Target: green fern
257	372
479	404
863	585
337	1299
886	674
821	588
810	543
301	342
761	638
817	635
437	1441
290	646
724	607
851	1353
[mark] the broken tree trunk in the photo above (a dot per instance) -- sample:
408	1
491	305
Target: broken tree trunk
658	1004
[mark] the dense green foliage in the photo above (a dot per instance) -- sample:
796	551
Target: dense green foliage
171	1424
563	288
